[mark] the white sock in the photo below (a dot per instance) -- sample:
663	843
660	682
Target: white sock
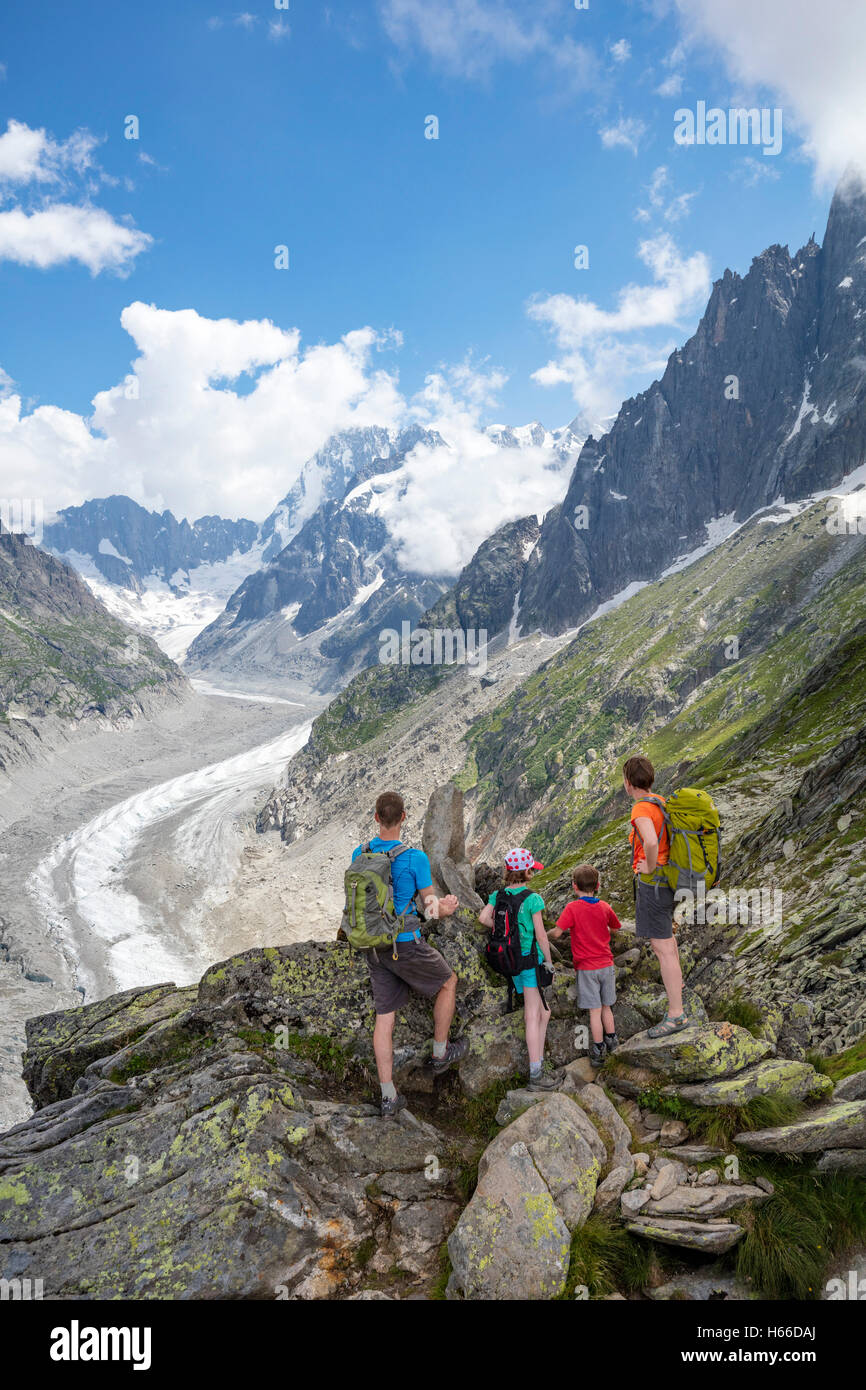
389	1090
439	1050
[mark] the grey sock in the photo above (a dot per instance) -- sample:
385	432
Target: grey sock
389	1090
535	1068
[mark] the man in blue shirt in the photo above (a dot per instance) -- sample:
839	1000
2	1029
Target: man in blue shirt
418	966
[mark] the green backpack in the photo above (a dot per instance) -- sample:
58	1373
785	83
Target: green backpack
694	830
369	919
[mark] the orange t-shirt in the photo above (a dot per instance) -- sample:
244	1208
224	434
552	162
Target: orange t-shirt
653	813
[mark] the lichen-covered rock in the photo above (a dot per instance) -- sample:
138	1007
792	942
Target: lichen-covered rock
711	1238
510	1242
703	1285
839	1125
562	1156
61	1046
697	1053
775	1076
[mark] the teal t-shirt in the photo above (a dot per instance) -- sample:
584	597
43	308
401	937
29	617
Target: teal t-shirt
525	924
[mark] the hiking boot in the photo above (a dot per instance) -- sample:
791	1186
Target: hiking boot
392	1105
454	1052
544	1081
611	1042
597	1054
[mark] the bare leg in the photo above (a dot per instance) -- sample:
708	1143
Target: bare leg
383	1046
608	1020
443	1010
672	975
535	1020
595	1024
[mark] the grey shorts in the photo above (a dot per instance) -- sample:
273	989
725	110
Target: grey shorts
654	911
418	966
596	987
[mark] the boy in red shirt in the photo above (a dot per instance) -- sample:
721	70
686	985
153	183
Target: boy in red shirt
589	921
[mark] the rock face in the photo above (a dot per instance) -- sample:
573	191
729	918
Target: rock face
127	543
762	401
698	1053
63	656
560	1153
443	837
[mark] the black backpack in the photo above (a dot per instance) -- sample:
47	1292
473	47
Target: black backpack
503	951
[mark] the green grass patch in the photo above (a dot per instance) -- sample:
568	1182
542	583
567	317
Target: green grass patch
737	1009
717	1124
842	1063
605	1259
793	1239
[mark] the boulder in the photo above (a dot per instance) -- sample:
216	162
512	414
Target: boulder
708	1237
851	1087
775	1076
443	836
694	1153
514	1103
603	1112
416	1234
564	1159
704	1203
608	1192
842	1161
673	1132
510	1242
839	1125
670	1175
632	1201
700	1052
459	880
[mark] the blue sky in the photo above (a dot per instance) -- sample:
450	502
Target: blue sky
306	127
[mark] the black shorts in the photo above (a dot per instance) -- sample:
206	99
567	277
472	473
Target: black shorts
418	966
654	911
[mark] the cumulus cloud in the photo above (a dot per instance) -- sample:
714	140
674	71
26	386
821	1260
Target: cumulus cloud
444	501
465	37
620	51
218	416
215	416
628	131
46	216
812	61
602	351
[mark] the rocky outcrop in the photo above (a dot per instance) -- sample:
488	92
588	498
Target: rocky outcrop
64	658
839	1125
697	1053
776	1076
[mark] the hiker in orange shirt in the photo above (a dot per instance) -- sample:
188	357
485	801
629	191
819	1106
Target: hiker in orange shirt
654	902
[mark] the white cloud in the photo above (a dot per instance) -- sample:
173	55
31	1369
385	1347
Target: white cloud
61	232
278	30
620	51
663	202
40	228
443	502
465	37
628	132
216	416
811	60
601	352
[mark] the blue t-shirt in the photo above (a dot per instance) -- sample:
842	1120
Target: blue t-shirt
410	872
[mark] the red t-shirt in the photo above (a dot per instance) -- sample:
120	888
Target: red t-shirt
589	922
